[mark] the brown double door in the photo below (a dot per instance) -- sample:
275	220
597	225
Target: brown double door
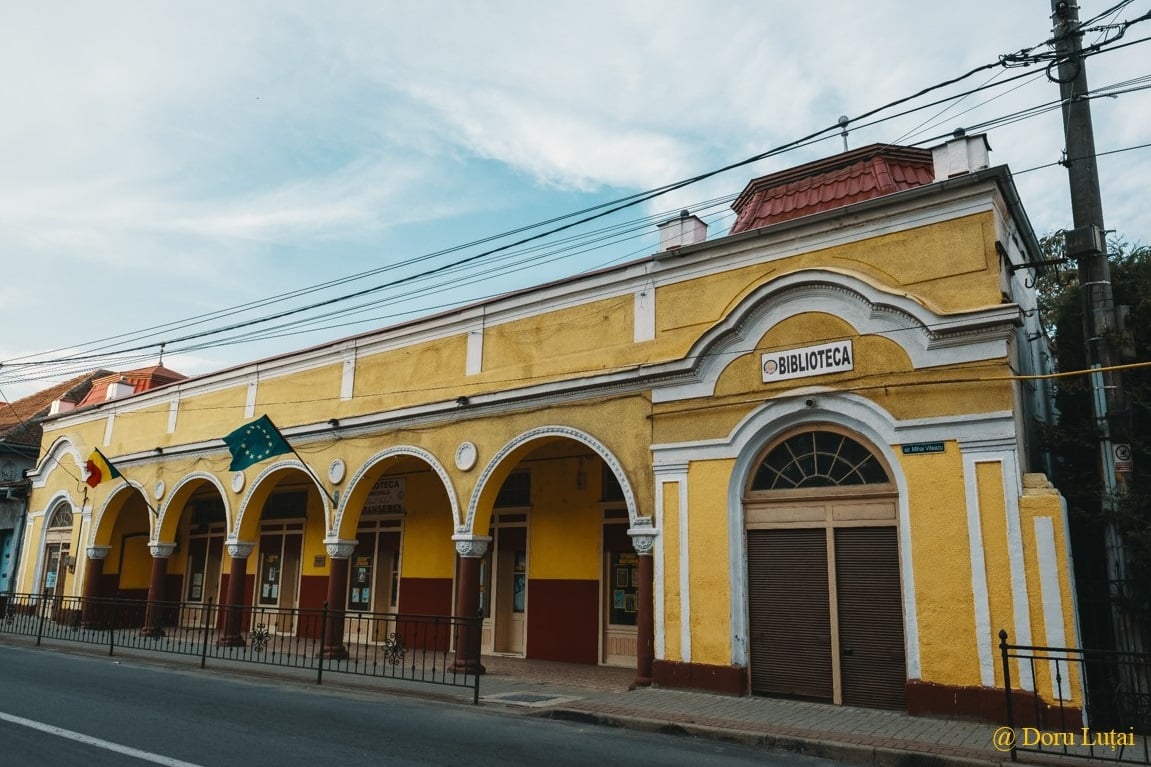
825	633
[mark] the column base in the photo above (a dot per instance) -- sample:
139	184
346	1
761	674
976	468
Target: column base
333	652
231	640
467	666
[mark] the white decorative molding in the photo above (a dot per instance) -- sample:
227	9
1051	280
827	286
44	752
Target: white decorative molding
474	361
250	399
1051	594
644	324
264	476
239	549
109	422
929	339
340	548
348	375
60	447
158	489
392	452
471	546
127	486
981	601
98	552
540	433
173	411
643	535
196	476
237	482
161	550
337	470
466	456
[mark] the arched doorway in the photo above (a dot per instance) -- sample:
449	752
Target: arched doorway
58	559
824	595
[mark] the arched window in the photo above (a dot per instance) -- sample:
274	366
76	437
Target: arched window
61	519
814	459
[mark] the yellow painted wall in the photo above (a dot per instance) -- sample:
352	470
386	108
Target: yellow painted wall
993	520
710	561
668	523
283	398
941	557
565	525
428	551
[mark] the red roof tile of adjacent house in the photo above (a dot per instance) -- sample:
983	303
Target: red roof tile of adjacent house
834	182
18	419
143	379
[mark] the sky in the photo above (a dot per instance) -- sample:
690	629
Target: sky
165	161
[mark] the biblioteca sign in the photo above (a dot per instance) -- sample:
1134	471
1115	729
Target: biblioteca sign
808	361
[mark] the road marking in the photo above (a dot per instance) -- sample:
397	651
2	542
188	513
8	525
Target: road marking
97	742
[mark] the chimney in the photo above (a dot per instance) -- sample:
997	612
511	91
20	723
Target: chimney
118	389
961	155
60	406
686	229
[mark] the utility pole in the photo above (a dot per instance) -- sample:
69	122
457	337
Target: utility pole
1087	244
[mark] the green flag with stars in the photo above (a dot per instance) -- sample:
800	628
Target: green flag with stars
255	441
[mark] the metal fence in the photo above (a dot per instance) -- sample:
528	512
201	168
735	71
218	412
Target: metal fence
1115	724
416	648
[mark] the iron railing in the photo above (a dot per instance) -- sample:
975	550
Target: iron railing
415	648
1115	723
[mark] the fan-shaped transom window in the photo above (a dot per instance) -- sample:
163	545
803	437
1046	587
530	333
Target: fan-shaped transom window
818	459
61	518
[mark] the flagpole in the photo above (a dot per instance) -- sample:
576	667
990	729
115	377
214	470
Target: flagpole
308	468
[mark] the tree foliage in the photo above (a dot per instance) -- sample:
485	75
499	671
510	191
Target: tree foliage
1074	441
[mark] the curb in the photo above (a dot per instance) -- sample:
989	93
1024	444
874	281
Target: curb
855	753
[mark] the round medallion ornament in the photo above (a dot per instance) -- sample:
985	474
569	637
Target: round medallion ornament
466	455
237	481
158	490
336	471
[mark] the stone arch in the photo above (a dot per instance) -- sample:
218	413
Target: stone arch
384	455
543	432
928	337
853	414
62	446
117	497
262	486
165	527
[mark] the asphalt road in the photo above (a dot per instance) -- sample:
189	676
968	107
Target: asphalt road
63	709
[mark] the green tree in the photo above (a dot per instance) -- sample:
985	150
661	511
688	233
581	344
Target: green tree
1074	441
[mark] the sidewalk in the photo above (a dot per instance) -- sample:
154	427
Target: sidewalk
600	695
856	735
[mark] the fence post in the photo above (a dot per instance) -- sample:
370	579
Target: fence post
478	639
207	626
40	625
1007	688
323	644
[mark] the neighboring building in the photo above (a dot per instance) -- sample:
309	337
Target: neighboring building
20	436
795	460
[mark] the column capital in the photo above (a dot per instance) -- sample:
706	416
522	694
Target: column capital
340	548
239	549
471	546
98	552
161	550
643	535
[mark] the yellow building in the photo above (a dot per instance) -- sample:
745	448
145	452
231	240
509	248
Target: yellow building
794	460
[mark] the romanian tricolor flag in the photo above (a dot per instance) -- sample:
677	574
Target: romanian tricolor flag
99	468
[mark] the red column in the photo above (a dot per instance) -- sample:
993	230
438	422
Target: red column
231	633
471	549
338	553
93	616
154	618
643	538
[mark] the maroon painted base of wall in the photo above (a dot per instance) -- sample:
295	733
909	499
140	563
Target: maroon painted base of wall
729	680
562	622
988	704
426	596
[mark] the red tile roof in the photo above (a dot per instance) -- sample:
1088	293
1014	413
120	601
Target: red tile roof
143	379
18	420
834	182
